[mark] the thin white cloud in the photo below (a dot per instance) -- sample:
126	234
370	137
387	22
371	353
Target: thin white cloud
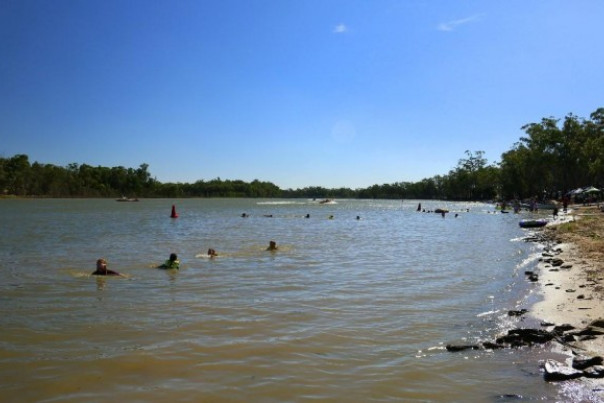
340	29
452	25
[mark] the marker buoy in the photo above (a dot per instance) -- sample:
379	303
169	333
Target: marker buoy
173	215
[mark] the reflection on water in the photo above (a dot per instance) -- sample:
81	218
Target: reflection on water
344	310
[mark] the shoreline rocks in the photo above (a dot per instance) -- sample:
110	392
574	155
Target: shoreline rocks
553	371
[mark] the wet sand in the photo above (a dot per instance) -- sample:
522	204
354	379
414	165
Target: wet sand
573	291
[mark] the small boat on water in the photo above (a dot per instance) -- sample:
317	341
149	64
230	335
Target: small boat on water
327	201
536	223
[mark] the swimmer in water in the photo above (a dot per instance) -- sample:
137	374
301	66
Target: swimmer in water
272	245
102	270
212	253
172	263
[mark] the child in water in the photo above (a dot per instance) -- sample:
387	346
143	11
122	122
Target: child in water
172	263
272	245
102	270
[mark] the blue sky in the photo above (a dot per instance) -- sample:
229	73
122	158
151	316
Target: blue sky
299	93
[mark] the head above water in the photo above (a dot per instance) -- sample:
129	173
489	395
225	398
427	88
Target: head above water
101	263
173	257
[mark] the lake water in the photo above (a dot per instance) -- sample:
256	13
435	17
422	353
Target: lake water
346	310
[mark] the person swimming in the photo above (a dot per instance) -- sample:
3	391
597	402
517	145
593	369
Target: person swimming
212	253
272	245
102	270
172	263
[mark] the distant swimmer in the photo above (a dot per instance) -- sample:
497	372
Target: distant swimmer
244	215
419	207
330	217
307	216
172	263
102	270
358	217
272	245
212	253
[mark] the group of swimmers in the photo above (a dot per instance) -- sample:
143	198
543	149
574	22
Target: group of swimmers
171	264
331	217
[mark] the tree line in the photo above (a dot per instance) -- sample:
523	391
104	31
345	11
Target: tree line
553	158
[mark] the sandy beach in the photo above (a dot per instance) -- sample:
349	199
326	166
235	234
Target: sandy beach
571	279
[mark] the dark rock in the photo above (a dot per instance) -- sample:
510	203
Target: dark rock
491	346
566	266
563	328
462	347
597	323
580	296
534	277
522	337
557	262
517	313
555	371
582	364
545	324
528	273
589	331
597	371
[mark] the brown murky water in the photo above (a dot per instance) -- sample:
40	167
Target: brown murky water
346	310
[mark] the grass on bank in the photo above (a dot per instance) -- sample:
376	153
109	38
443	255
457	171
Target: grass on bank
587	233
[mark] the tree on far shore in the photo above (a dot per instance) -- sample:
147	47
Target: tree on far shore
548	162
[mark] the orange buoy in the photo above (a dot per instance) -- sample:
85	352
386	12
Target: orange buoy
173	215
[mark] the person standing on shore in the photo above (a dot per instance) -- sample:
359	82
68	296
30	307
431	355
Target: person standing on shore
565	200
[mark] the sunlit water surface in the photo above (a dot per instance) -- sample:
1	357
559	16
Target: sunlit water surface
347	309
